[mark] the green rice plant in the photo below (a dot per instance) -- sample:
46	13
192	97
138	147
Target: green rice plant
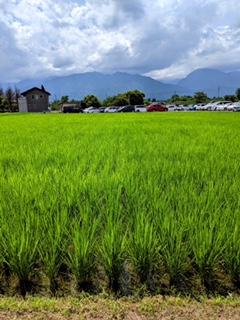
19	246
231	253
181	169
208	241
112	250
175	248
81	255
52	247
144	247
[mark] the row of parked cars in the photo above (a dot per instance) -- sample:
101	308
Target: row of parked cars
219	106
211	106
136	108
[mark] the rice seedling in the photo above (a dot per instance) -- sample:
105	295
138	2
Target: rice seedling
52	246
81	255
19	245
231	253
113	194
175	248
208	242
144	247
112	250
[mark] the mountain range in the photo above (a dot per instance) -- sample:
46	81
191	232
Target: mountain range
213	82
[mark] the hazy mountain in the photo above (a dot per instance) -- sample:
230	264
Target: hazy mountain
77	86
211	81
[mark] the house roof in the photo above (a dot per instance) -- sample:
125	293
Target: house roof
35	88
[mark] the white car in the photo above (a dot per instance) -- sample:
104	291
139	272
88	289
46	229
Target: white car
210	106
111	109
222	105
140	108
232	106
216	105
91	110
185	108
236	108
198	106
171	107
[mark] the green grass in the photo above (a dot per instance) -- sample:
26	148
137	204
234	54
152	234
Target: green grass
110	198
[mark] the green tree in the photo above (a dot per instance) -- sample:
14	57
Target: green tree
200	97
121	100
238	93
9	96
230	97
91	100
2	100
135	97
55	105
109	101
64	99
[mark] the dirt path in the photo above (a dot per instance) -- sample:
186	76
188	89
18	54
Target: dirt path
98	308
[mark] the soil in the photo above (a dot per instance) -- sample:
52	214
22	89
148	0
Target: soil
145	309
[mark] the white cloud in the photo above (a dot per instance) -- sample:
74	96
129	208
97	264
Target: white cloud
165	39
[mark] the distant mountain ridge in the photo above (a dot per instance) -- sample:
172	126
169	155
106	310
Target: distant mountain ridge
77	86
213	82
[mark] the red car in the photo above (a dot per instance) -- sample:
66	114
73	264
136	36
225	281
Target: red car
156	107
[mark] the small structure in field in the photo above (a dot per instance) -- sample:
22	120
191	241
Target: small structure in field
34	100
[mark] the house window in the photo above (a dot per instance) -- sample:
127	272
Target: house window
35	96
41	96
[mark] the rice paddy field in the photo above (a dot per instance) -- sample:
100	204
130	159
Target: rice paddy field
131	204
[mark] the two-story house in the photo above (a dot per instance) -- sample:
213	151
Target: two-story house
34	100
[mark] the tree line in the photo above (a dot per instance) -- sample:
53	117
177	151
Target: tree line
9	99
136	97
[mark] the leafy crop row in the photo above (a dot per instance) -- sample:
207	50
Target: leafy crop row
119	202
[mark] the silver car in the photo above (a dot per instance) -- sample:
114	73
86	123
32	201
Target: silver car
111	109
91	110
140	108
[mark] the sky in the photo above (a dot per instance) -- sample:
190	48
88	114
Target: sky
162	39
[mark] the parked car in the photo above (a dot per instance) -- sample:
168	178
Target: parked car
231	105
210	106
184	107
140	108
236	107
171	107
156	107
198	106
222	105
178	108
102	109
91	110
126	109
71	109
216	105
111	109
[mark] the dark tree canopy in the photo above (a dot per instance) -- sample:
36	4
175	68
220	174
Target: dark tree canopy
9	96
238	93
200	97
64	99
91	101
135	97
121	100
